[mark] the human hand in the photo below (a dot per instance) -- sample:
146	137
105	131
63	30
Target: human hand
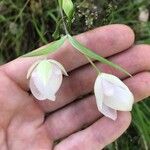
23	125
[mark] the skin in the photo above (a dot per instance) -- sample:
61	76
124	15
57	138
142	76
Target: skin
23	124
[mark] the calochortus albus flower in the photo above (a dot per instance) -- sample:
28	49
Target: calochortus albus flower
45	78
112	95
143	14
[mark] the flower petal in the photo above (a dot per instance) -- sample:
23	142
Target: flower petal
55	80
121	98
32	68
59	65
35	91
114	80
99	94
44	70
107	88
108	112
45	79
143	14
49	89
98	90
40	86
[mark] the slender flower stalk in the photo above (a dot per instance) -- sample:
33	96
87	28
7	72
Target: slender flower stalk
93	65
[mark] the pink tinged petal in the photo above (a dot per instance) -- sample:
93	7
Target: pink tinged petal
45	79
98	90
108	112
121	99
37	86
54	81
38	81
59	65
114	80
32	68
37	94
52	85
107	88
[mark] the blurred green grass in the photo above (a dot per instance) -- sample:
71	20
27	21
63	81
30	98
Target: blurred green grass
26	25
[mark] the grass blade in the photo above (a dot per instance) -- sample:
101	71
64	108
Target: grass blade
45	50
68	8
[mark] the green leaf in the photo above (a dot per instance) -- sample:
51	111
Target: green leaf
45	50
91	54
68	8
2	18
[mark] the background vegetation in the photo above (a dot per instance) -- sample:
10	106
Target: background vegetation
28	24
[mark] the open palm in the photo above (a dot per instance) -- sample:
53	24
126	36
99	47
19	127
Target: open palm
72	122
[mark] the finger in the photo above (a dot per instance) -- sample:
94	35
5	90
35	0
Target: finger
139	85
98	135
72	118
134	60
3	142
105	41
84	112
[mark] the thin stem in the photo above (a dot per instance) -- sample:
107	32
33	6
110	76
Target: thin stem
64	24
94	66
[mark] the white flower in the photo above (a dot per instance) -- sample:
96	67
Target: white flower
45	79
112	95
143	14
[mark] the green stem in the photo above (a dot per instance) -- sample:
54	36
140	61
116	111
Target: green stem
64	24
94	66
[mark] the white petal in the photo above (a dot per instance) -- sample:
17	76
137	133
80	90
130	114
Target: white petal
40	86
54	81
98	90
108	88
59	65
108	112
114	80
38	81
32	68
144	14
49	89
45	80
35	91
121	98
44	70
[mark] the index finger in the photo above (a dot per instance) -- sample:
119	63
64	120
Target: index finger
106	41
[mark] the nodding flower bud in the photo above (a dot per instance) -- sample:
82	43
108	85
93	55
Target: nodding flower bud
112	95
45	78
